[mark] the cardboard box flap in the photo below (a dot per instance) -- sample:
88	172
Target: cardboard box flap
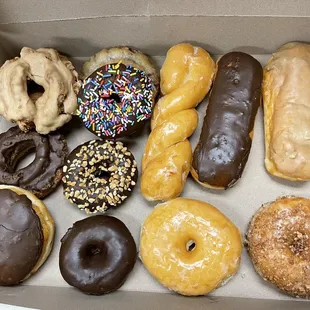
67	298
20	11
154	35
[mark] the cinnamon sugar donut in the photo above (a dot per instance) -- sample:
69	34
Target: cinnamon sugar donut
278	242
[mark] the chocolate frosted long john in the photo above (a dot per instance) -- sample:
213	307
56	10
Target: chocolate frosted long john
226	136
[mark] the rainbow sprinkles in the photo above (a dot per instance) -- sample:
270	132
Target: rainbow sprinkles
114	99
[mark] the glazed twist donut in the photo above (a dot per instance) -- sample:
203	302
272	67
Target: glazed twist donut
186	78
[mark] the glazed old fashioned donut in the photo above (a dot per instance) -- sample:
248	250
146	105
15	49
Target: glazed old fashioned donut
190	246
26	234
99	175
45	109
226	136
118	93
97	254
42	175
278	242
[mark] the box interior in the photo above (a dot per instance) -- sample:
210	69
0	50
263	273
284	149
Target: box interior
80	29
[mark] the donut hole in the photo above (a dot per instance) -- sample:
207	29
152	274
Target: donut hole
26	157
115	97
102	174
34	90
25	160
190	245
299	243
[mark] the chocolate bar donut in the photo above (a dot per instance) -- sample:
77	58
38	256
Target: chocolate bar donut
41	176
226	136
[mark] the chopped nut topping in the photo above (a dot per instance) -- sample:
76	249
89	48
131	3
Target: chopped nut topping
97	173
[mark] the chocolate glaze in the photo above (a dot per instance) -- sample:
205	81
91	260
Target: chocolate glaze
97	254
99	175
21	237
116	100
224	144
42	175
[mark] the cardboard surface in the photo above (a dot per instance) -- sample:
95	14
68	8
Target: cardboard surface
69	299
33	10
155	34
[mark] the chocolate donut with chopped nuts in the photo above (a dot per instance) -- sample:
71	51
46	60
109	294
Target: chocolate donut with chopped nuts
99	175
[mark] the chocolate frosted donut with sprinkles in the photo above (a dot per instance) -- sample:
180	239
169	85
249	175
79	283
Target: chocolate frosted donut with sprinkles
99	175
118	92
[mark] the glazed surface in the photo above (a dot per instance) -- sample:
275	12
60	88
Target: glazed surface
166	246
287	112
186	78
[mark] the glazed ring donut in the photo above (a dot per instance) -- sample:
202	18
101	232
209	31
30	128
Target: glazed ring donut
41	176
278	242
99	175
26	234
118	93
190	246
97	254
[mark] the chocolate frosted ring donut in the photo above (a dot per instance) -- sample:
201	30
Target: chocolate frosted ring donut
99	175
44	173
118	92
97	254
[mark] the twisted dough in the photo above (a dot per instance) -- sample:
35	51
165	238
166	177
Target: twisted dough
186	78
47	111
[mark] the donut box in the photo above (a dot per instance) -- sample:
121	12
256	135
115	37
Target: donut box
79	29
